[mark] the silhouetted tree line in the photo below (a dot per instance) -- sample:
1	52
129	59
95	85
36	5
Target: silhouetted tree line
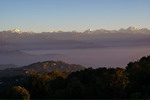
133	82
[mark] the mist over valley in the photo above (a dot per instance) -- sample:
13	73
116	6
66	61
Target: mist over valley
91	48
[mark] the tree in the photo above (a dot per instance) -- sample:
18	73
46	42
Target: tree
139	74
17	92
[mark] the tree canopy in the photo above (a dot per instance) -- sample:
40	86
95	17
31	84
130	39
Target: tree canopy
131	82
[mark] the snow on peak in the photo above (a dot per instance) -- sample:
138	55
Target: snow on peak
16	31
88	31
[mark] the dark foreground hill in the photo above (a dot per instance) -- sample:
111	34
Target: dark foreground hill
132	82
41	67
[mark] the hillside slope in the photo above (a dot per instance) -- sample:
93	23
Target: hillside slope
41	67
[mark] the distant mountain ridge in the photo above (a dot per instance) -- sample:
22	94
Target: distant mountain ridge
12	52
127	30
69	40
41	67
85	48
19	57
4	66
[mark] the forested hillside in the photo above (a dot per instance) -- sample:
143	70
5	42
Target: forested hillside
101	83
41	67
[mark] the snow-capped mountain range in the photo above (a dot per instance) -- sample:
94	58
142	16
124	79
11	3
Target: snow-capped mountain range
122	30
87	39
90	48
128	30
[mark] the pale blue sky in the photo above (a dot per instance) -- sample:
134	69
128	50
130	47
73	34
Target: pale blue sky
68	15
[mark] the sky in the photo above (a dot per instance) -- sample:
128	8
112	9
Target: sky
70	15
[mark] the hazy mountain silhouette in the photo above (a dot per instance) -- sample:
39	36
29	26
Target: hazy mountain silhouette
21	58
4	66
